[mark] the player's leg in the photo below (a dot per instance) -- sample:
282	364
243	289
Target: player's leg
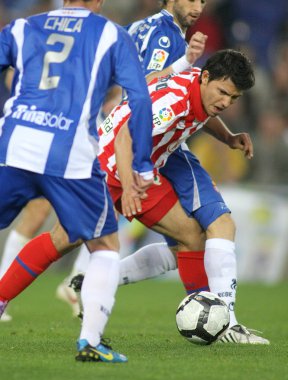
18	190
156	259
203	201
68	290
98	297
31	220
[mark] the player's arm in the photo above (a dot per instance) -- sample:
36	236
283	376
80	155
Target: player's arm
194	51
133	191
129	75
218	129
6	45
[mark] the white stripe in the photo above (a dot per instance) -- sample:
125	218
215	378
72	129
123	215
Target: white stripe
134	27
21	153
103	217
18	33
70	12
196	197
146	40
84	146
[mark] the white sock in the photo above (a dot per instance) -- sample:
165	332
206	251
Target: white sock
221	268
81	262
98	294
13	245
149	261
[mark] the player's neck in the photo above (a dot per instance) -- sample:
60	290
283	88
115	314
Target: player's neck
94	5
170	11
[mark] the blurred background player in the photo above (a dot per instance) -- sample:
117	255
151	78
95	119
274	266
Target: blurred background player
50	151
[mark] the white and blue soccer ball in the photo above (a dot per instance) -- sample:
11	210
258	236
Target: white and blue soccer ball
202	317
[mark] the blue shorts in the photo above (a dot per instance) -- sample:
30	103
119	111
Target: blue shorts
83	206
196	191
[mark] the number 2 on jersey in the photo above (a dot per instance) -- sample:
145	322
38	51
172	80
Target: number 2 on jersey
49	82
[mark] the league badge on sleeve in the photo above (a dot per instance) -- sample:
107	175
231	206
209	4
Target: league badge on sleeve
158	59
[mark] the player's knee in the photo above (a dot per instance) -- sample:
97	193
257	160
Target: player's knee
104	243
223	227
61	241
191	239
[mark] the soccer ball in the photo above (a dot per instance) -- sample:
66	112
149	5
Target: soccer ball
201	317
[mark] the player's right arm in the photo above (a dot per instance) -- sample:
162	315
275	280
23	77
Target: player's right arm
194	51
6	44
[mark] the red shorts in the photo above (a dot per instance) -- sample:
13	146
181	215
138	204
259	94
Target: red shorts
161	198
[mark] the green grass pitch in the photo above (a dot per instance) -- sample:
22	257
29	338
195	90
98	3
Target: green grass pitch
40	342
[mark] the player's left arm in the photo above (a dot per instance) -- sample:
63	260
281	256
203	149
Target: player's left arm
218	129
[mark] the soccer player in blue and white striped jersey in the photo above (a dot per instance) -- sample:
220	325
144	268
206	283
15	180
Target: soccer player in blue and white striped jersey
65	61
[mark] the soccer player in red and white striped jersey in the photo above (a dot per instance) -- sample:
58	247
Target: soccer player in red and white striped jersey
177	114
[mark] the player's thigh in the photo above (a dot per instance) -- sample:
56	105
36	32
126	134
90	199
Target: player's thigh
33	217
16	189
183	229
84	207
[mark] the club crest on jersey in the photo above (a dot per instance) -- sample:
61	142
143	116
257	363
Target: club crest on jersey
158	59
164	42
157	180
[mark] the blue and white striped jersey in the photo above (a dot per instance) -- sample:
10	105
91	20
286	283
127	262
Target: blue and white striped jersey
64	62
159	41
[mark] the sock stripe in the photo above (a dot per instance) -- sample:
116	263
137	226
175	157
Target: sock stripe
24	266
203	289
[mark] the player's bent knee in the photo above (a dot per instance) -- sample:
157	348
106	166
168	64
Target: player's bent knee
223	227
61	241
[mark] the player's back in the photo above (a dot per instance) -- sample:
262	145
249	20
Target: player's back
63	67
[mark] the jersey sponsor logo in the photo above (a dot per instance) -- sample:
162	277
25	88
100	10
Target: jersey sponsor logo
164	42
45	119
107	125
166	114
158	59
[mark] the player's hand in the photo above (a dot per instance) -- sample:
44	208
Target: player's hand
242	141
133	193
141	185
130	201
196	47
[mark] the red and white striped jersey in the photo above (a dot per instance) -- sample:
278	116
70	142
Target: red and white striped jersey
177	114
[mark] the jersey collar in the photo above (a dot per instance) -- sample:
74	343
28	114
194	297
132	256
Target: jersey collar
170	16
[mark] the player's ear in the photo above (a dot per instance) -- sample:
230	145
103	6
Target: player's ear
205	77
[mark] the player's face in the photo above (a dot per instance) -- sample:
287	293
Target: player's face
217	95
187	12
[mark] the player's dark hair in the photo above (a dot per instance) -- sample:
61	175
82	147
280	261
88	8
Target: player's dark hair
233	65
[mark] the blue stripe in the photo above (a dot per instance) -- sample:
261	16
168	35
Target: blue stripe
205	289
23	265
